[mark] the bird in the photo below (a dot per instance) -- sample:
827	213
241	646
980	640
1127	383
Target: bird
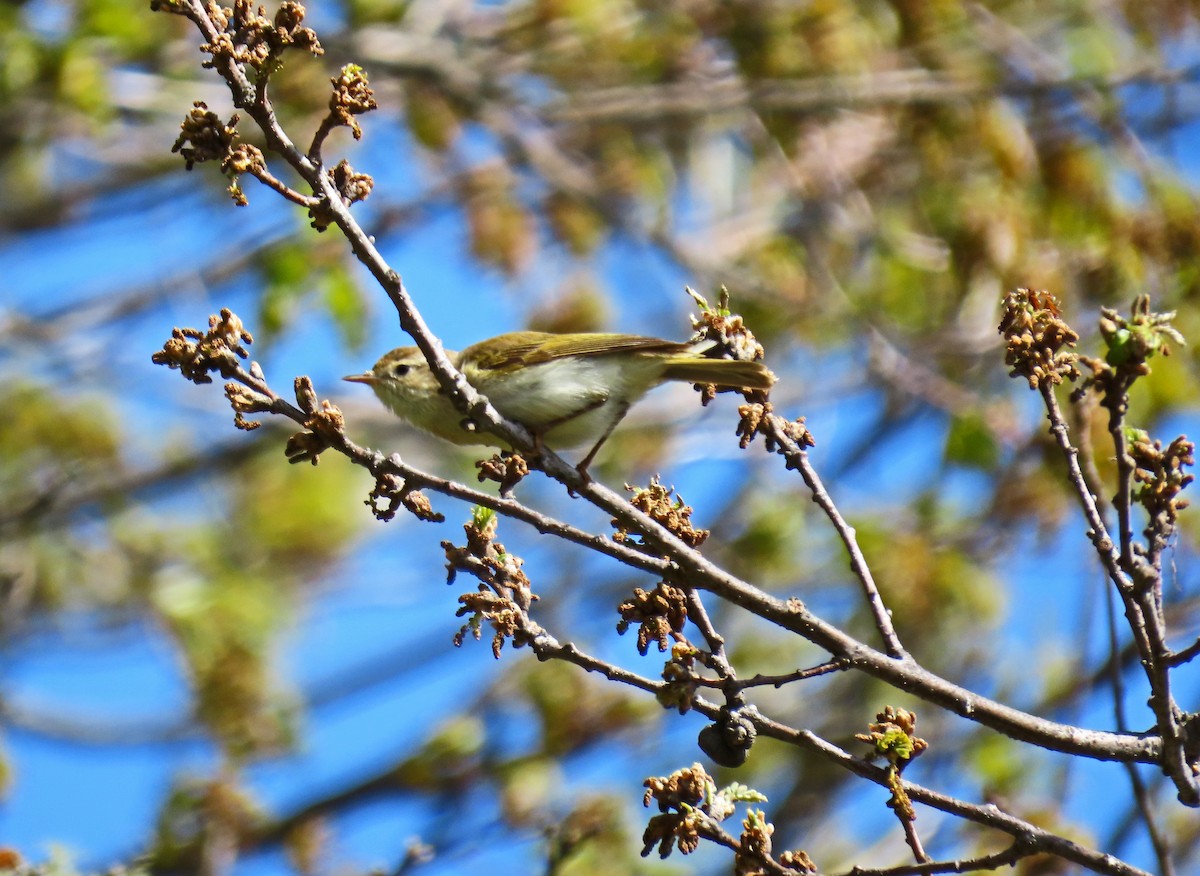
566	389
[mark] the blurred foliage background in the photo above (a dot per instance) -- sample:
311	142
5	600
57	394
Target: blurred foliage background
266	673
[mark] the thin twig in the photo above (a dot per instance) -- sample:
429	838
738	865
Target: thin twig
1098	533
1146	632
1178	658
777	681
912	838
858	563
1007	858
717	660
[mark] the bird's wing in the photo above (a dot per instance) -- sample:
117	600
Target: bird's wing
532	348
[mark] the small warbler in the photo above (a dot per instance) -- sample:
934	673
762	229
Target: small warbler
566	389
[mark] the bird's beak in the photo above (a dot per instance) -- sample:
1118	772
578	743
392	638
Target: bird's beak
365	377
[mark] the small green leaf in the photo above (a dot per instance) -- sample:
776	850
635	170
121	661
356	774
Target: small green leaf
739	793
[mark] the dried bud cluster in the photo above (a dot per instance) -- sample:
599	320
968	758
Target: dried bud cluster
798	432
755	849
754	419
196	353
750	419
734	340
680	797
505	592
288	29
680	676
507	469
242	158
1035	334
325	424
391	488
504	616
892	735
798	860
353	187
246	36
655	500
754	846
204	137
245	400
691	808
683	788
1160	474
325	427
351	96
418	504
659	614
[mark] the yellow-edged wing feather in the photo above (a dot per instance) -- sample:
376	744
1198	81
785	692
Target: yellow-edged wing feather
533	348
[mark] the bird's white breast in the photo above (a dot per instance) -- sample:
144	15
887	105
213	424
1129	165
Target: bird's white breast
584	395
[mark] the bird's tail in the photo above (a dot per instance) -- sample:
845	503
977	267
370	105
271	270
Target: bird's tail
722	372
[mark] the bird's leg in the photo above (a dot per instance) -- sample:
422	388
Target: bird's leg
539	440
539	443
582	468
594	404
597	402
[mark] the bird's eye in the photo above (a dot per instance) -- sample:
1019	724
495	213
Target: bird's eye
401	369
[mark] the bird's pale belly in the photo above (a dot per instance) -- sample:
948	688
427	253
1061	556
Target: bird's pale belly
572	401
